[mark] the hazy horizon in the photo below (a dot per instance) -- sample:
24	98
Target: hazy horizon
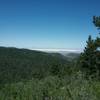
59	50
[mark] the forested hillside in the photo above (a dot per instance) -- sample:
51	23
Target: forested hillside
19	64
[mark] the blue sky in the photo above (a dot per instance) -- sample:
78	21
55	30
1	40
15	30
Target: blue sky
47	23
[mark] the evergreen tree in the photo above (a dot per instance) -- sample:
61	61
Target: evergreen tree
96	21
90	58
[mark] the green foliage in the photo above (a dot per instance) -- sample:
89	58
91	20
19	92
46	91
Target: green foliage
22	64
52	88
55	70
90	58
96	21
87	59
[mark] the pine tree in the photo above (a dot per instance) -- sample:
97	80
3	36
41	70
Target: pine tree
87	58
96	21
90	58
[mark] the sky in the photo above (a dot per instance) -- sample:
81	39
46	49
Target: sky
47	24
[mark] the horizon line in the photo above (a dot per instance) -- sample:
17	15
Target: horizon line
50	49
57	49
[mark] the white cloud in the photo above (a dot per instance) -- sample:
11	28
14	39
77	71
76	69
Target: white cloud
59	50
